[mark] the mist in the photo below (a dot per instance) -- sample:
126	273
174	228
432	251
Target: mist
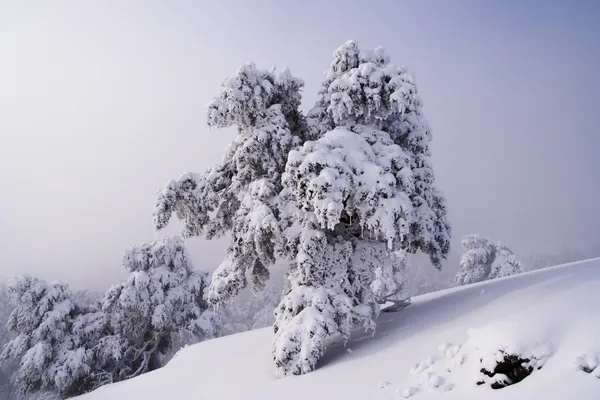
101	103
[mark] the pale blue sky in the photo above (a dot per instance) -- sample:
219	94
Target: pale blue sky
101	102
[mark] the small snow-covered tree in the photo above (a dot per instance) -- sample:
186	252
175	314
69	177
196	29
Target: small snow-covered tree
476	262
485	259
241	194
354	198
163	295
505	263
64	347
52	356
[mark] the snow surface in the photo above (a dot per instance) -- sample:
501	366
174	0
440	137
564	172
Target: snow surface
432	349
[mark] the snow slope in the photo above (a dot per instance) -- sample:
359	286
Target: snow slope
433	349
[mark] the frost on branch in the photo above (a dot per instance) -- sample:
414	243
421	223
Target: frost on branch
162	296
192	198
241	195
485	259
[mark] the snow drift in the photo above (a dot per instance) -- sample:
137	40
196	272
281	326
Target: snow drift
445	345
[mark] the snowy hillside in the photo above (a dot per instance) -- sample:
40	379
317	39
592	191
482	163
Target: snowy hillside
433	349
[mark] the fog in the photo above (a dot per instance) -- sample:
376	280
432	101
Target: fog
101	103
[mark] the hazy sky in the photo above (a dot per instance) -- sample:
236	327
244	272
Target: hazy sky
102	102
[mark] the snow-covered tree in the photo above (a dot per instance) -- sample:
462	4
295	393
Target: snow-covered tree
476	262
241	194
353	198
50	339
343	208
505	263
66	347
163	295
485	259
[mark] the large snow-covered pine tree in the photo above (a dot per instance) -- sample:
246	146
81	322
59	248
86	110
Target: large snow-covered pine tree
351	202
241	194
485	259
162	296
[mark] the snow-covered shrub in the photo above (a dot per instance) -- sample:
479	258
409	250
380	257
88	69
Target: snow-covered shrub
162	296
507	370
485	259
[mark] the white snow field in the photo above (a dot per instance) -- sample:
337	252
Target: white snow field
433	349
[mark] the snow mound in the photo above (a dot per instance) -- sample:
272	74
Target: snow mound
441	346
